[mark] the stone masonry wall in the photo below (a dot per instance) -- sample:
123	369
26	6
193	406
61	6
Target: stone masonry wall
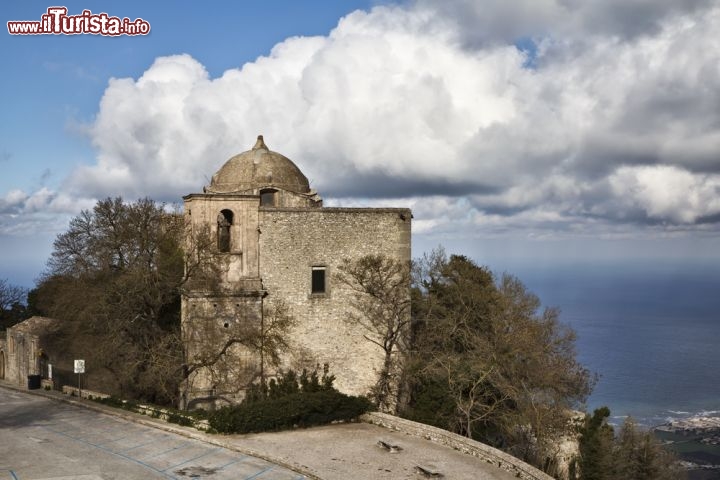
208	323
21	356
292	241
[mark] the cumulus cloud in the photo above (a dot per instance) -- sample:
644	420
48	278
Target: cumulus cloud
668	193
612	116
44	211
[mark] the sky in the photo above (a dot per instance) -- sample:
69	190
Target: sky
524	133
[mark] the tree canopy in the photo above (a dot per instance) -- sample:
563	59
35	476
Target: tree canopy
114	280
488	363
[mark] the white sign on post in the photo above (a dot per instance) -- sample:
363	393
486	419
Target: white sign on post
79	366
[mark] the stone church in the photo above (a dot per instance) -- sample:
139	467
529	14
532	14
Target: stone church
276	249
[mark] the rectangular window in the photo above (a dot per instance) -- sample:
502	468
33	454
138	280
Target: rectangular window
318	279
267	198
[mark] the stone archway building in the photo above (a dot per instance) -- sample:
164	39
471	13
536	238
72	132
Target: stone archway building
22	352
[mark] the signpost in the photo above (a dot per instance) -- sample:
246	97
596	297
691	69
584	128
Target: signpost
79	369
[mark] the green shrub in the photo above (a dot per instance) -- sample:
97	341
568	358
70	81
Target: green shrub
185	419
288	402
198	414
294	410
180	419
118	403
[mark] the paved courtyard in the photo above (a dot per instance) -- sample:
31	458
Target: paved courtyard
42	439
49	436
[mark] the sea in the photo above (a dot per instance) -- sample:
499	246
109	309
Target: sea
650	330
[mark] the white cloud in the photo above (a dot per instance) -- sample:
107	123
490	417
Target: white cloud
41	212
668	193
611	120
12	199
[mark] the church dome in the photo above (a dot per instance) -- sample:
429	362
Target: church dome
256	169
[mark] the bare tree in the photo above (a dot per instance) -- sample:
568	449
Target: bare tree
10	294
232	347
229	342
12	309
382	307
271	338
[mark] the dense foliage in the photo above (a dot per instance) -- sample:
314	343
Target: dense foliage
289	402
631	454
487	363
114	281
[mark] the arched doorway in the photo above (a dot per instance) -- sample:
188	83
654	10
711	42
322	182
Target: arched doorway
2	365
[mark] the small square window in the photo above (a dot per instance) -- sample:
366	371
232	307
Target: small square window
318	280
267	198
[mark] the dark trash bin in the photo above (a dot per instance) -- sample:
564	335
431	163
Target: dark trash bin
34	382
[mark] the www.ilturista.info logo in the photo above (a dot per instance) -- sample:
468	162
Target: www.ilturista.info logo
57	22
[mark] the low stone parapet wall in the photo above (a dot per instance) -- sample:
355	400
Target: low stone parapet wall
73	391
173	416
168	415
466	445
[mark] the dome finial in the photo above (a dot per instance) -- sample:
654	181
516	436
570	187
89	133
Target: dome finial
260	143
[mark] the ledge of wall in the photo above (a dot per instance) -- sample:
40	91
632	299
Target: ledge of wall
466	445
73	391
167	415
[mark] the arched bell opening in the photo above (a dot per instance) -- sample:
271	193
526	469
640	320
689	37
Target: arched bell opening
225	221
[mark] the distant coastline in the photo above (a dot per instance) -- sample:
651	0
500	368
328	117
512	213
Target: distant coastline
651	331
697	441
